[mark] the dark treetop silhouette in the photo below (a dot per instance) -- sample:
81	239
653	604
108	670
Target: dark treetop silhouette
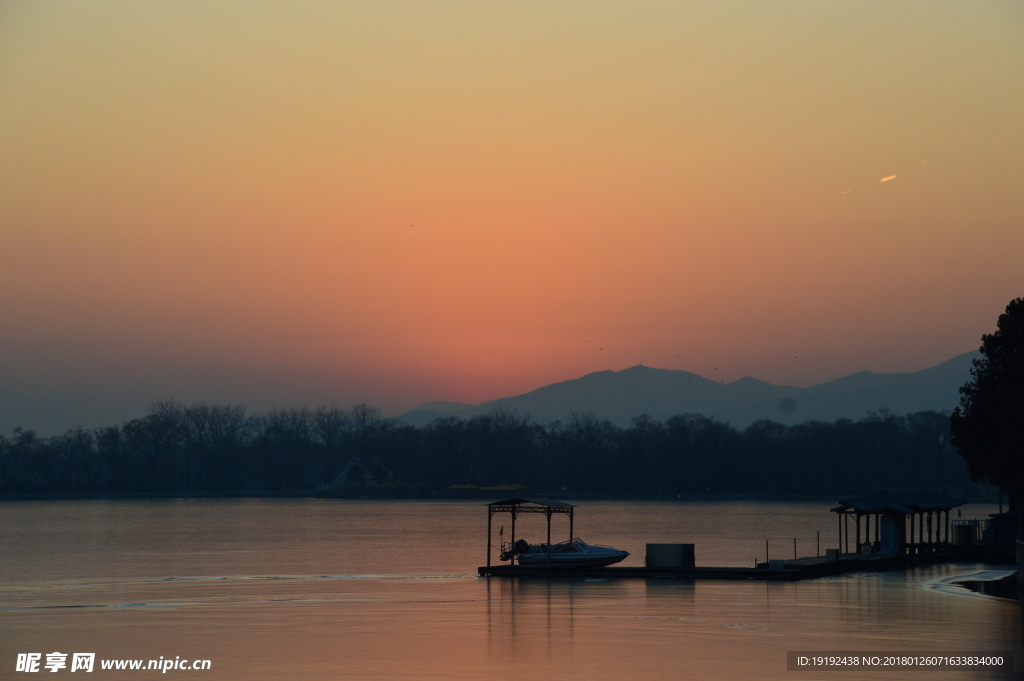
988	426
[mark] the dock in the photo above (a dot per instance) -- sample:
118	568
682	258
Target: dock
892	531
803	568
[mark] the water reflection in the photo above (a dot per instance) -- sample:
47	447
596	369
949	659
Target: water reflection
351	601
536	619
743	627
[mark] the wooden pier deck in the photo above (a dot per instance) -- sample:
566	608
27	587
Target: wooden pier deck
802	568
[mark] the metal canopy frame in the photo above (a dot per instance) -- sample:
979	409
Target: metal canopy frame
547	507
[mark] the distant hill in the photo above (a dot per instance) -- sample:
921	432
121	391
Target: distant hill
621	395
425	413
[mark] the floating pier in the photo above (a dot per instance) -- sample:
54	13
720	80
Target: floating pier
893	545
803	568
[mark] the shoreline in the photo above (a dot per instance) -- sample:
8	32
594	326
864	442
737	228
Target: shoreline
371	495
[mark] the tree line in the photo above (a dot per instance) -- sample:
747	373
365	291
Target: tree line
205	448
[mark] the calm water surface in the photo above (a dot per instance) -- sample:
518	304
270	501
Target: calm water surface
333	589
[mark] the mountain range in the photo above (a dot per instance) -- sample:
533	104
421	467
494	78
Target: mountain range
621	395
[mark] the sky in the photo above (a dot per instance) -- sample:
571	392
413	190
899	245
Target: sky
313	203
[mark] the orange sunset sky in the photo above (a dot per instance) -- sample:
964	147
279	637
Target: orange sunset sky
304	203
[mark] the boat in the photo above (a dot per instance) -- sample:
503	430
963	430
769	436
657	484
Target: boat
572	553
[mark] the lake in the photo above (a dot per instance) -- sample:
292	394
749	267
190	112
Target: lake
367	589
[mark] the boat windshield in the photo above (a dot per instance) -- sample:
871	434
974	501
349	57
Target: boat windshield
576	544
563	547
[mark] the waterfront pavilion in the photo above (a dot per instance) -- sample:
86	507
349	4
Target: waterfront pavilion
903	523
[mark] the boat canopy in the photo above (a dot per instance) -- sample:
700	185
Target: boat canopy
530	505
517	506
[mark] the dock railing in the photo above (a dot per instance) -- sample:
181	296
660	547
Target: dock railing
972	532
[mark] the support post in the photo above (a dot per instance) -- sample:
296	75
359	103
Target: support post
548	545
490	514
857	543
570	524
512	560
931	537
839	517
904	537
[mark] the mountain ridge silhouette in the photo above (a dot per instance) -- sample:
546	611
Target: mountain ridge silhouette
622	395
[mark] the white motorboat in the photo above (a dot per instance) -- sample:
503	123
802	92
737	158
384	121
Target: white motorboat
573	553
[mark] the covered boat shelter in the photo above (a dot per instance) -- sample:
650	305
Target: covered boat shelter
904	523
547	507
